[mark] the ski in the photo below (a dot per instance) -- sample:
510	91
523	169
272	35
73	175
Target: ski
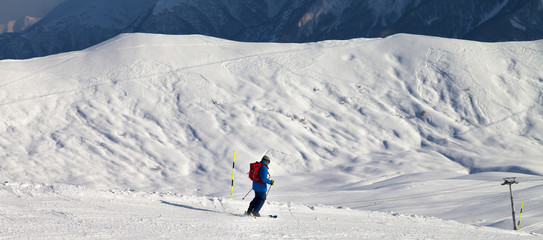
245	215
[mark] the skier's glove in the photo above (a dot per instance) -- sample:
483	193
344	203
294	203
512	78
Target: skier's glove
272	182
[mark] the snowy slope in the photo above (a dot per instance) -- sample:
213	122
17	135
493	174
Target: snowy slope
38	211
374	124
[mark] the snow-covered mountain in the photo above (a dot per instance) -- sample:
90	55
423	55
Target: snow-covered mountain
405	124
77	24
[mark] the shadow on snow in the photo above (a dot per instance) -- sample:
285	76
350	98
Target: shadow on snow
189	207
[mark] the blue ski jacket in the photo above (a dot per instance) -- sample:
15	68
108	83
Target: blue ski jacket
263	174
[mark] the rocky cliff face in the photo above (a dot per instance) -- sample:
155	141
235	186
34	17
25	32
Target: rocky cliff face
77	24
18	25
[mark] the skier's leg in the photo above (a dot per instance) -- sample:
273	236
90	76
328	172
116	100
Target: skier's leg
260	198
253	204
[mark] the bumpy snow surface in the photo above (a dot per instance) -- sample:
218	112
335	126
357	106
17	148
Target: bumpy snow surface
406	137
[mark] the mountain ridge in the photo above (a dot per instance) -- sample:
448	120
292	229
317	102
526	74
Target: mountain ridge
274	21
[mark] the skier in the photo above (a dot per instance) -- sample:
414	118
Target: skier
260	188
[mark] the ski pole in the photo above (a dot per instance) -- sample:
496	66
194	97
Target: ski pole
521	207
268	192
233	165
247	194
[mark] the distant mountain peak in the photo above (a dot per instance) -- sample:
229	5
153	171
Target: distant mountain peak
18	25
78	24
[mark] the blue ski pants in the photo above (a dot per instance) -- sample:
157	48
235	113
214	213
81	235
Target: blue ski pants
257	202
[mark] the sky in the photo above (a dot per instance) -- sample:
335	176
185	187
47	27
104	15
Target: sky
13	9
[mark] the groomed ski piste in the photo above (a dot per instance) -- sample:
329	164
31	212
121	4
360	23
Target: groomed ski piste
406	137
38	211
